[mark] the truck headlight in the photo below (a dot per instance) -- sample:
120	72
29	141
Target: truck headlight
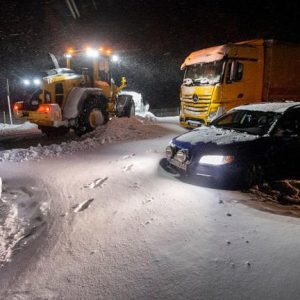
216	160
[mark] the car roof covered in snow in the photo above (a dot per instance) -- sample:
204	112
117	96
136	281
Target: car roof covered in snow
278	107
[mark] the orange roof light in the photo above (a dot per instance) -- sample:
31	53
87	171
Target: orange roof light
108	51
70	50
100	49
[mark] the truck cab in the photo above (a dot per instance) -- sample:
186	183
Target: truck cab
219	78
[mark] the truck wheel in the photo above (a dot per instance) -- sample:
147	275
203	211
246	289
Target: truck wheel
54	131
92	116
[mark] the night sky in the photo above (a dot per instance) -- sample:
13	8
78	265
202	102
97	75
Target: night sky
152	37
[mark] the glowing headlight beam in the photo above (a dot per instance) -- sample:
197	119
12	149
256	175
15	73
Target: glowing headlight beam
26	81
115	58
92	52
36	81
215	160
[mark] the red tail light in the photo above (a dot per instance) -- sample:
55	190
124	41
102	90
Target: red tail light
44	108
18	106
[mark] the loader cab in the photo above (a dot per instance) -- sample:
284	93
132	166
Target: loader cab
94	66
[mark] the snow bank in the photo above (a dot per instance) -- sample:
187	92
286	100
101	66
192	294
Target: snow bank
115	130
21	216
27	127
278	197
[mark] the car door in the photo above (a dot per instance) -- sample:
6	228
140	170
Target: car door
287	139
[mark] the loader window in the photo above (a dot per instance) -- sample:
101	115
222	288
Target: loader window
59	94
104	73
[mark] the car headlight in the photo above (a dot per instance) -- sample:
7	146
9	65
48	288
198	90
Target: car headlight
181	156
169	152
216	160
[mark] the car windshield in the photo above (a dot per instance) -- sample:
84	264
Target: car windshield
205	73
252	122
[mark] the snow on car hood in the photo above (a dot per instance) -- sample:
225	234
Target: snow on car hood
215	135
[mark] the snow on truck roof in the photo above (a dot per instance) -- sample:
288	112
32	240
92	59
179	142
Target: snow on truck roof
205	56
218	52
278	107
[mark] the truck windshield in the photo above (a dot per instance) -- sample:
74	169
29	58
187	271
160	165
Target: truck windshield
253	122
205	73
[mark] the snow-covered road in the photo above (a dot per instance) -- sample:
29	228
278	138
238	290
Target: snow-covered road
120	227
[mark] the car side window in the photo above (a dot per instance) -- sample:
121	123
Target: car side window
289	124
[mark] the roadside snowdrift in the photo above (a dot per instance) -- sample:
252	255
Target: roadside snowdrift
281	197
115	130
20	129
22	217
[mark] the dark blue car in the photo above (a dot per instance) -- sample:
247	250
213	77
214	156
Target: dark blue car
242	146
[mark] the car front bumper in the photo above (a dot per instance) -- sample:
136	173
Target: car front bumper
230	171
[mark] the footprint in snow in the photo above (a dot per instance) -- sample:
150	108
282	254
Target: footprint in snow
127	168
84	205
129	156
99	182
135	185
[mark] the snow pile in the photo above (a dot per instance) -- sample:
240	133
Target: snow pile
27	127
215	135
286	192
278	197
115	130
20	217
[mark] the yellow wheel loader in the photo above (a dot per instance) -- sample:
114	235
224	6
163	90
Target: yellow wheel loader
81	96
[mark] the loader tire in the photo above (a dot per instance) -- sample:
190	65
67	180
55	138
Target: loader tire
52	132
92	115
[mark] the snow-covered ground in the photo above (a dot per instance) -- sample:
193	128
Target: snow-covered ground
115	130
117	225
17	130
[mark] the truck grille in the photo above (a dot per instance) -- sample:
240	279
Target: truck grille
195	108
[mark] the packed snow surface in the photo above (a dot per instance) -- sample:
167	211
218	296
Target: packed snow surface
215	135
115	130
21	217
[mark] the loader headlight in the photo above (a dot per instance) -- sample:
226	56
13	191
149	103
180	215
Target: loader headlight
36	81
92	52
216	160
115	58
26	81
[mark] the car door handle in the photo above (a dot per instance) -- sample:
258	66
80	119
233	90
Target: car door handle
241	95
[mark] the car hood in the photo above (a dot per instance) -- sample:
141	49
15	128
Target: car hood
213	135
